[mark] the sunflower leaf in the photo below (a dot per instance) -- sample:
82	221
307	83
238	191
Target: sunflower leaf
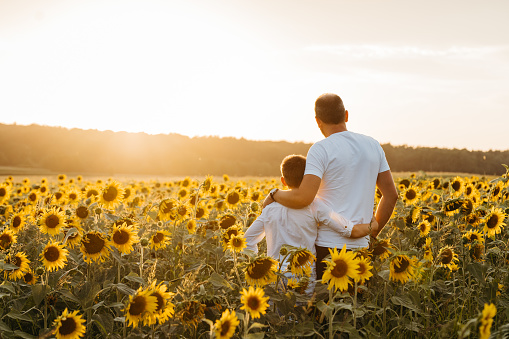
24	335
18	316
124	289
218	281
39	292
8	286
134	278
4	328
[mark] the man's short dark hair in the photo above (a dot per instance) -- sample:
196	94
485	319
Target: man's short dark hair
330	109
292	169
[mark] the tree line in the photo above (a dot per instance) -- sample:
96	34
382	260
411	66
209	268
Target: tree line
63	150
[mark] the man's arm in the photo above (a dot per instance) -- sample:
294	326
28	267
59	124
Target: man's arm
385	184
297	197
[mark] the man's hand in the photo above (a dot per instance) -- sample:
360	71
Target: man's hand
268	200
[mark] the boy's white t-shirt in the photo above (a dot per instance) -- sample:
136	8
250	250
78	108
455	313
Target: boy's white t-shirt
296	227
348	164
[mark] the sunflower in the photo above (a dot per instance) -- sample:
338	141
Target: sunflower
160	239
237	242
457	186
381	249
111	195
54	256
123	237
191	313
61	177
141	305
167	209
448	258
5	192
22	263
452	206
301	262
364	269
254	301
183	211
224	328
470	237
7	238
92	192
33	197
207	183
94	247
261	271
165	309
29	278
18	221
410	196
424	227
191	226
402	268
342	267
494	222
428	254
69	325
226	235
82	212
232	199
477	251
73	196
51	221
488	313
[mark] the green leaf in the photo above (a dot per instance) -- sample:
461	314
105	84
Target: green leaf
7	266
67	294
39	292
124	289
120	319
259	335
405	302
4	328
218	281
134	278
18	316
8	286
116	305
477	270
24	335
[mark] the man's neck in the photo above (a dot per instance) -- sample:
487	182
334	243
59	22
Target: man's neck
329	129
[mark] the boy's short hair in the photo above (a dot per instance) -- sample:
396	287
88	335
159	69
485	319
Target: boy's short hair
292	169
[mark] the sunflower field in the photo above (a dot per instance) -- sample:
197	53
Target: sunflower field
168	259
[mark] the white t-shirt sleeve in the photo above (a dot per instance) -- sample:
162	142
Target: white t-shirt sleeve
316	161
384	165
254	234
335	221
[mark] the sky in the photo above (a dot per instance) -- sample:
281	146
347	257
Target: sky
417	73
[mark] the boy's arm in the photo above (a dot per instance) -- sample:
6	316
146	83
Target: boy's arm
254	234
344	226
362	230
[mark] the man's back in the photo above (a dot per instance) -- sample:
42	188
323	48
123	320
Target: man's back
348	164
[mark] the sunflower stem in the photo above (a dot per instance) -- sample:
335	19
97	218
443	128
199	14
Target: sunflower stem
331	315
246	325
355	305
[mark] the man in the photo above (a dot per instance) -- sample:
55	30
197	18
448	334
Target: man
344	170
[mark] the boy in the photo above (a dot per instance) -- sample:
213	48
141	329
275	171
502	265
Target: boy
298	227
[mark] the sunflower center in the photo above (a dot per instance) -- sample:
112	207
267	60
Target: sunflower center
5	239
422	227
225	327
200	212
260	268
492	221
82	212
110	194
233	198
160	301
362	268
182	210
158	237
456	186
253	303
32	197
227	221
52	221
403	265
52	254
93	243
127	193
17	261
3	192
73	196
91	193
121	237
16	221
59	195
167	206
379	249
302	258
446	256
236	242
138	306
340	269
68	326
410	194
28	277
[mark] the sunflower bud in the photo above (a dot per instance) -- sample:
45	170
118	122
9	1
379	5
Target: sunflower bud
255	207
39	270
98	211
283	251
144	242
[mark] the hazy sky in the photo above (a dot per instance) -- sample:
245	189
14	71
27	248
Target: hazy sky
420	73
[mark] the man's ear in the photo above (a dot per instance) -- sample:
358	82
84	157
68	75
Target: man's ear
346	115
283	181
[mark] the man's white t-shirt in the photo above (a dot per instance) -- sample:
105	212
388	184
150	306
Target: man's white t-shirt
348	164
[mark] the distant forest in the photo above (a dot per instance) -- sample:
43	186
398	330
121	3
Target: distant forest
92	152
